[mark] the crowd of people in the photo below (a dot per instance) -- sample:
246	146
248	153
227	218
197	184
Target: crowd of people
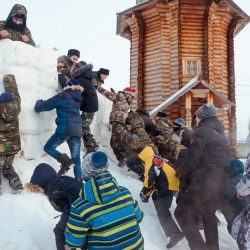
171	160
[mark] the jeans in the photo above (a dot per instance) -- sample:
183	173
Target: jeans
74	144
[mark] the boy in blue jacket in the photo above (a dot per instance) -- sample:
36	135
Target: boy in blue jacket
69	126
61	191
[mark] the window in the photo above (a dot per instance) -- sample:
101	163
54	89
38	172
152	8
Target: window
191	66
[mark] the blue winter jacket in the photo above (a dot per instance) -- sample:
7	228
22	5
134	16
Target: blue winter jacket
67	105
105	217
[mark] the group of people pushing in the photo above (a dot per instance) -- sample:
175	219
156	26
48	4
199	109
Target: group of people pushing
171	160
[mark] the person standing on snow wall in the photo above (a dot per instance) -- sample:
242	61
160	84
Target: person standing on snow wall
82	72
10	144
69	126
14	28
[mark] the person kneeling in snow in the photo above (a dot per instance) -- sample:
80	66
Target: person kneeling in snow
121	105
69	126
160	178
241	225
61	191
10	107
105	216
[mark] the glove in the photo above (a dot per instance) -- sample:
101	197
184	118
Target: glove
143	197
39	101
112	90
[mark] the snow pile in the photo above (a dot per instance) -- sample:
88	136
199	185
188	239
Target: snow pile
27	220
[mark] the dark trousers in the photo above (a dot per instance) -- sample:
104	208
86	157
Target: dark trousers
207	205
59	231
162	204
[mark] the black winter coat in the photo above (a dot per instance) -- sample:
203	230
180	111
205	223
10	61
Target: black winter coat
208	158
148	123
90	100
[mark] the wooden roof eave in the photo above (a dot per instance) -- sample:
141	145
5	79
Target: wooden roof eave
191	84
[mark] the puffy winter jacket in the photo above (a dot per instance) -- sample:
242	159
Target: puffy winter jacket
106	217
61	191
67	105
84	75
121	104
208	158
9	125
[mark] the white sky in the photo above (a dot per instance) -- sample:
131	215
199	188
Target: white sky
90	26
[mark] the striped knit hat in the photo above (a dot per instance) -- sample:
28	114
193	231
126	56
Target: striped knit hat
94	164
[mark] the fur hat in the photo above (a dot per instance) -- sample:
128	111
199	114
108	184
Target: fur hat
6	97
104	71
161	114
73	52
94	164
186	137
179	122
129	89
206	110
79	64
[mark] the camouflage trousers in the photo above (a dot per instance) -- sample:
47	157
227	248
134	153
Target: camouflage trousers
9	172
118	150
88	138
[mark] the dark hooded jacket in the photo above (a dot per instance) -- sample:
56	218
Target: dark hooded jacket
61	191
84	75
148	123
208	158
67	105
10	142
15	35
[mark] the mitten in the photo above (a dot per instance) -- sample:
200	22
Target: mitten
39	101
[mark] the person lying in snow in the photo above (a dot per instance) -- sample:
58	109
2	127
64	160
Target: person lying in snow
105	216
14	28
61	191
69	126
10	144
121	105
241	225
160	178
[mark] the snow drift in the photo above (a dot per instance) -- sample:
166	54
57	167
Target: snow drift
27	220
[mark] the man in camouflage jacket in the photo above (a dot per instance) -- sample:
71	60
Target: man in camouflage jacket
121	104
14	28
10	106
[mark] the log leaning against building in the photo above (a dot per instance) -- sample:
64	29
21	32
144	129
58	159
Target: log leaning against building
172	41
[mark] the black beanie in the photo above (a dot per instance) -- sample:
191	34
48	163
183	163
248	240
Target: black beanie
161	114
104	71
186	137
74	52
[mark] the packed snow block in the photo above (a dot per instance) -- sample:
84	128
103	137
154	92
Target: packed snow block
35	70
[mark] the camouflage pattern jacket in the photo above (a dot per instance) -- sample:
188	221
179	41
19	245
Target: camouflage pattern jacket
9	124
166	141
64	65
121	104
137	139
13	34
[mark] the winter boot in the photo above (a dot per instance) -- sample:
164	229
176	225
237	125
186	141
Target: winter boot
121	163
17	190
174	239
66	164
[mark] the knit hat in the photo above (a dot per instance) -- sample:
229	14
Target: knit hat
42	175
161	114
94	164
206	110
129	89
104	71
235	167
6	97
186	137
179	122
72	82
73	52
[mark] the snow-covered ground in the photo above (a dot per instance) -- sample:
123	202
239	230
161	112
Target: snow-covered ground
27	220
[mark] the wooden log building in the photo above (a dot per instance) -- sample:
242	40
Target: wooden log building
173	41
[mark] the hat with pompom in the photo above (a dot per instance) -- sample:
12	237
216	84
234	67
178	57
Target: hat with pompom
99	159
